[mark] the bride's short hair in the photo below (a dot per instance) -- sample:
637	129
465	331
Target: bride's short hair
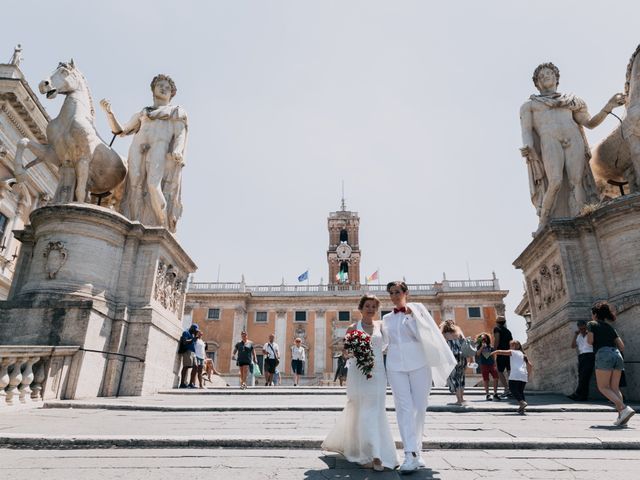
364	298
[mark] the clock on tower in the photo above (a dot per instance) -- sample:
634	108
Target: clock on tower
343	254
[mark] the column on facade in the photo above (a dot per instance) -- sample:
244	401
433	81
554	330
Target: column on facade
281	337
320	346
239	324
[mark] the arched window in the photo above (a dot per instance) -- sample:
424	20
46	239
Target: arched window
344	236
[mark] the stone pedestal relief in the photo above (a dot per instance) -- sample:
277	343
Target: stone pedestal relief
89	277
569	266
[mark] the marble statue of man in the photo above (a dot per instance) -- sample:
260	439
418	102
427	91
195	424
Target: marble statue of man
556	148
16	58
156	157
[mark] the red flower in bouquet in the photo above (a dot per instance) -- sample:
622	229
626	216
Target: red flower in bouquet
359	344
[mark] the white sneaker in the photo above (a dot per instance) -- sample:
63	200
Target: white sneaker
421	463
625	415
410	464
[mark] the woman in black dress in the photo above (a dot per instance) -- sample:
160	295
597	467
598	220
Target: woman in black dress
246	355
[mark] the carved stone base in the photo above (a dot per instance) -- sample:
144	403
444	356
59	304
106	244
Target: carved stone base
571	264
89	277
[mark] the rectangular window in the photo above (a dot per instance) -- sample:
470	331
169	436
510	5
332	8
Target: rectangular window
213	314
261	317
344	316
301	316
384	312
474	312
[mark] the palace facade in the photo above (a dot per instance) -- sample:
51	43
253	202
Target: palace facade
21	115
320	314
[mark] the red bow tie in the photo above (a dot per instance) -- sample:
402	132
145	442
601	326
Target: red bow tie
401	309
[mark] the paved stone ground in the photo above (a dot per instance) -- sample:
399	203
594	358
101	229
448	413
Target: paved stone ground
180	433
224	464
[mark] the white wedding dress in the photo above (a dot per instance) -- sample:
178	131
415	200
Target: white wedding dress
362	430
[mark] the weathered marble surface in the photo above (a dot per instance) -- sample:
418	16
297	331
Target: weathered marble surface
86	164
156	157
554	144
87	276
571	264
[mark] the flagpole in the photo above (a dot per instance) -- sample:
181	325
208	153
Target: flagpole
307	278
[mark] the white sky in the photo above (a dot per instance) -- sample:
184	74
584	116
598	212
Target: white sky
413	104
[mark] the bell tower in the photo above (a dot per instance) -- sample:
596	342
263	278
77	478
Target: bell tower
343	254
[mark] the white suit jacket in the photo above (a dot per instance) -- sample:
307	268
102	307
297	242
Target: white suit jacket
435	347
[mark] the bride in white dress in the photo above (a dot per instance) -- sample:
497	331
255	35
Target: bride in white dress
362	433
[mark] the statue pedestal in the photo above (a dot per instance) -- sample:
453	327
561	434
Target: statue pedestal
568	266
89	277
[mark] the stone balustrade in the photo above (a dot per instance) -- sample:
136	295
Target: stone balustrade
30	373
338	290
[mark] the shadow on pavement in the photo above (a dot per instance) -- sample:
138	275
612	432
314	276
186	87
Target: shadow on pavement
338	468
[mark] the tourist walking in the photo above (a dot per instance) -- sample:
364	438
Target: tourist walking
200	348
501	339
341	368
298	357
608	346
187	350
417	355
455	337
362	433
521	368
271	353
586	361
487	364
245	356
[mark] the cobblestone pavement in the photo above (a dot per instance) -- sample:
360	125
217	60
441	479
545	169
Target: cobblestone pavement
224	464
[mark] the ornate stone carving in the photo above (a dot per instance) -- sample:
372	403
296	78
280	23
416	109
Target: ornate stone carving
156	157
560	179
169	288
55	256
547	286
86	164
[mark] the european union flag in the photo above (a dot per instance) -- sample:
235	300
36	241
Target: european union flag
304	276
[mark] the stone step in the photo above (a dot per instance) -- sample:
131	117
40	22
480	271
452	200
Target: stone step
492	407
8	440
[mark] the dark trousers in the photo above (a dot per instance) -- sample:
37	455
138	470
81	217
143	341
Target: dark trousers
586	363
516	387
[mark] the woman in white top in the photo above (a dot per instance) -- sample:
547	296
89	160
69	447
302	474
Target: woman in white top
200	355
298	358
521	368
362	433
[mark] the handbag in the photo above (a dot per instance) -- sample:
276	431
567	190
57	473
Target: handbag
468	348
256	370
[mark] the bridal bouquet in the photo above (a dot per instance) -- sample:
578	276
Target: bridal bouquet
359	344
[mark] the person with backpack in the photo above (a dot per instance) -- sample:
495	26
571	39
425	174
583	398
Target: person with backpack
187	349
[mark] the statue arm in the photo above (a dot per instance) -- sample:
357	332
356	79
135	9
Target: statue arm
526	124
131	127
584	118
179	141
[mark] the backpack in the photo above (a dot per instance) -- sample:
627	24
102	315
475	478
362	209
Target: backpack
182	345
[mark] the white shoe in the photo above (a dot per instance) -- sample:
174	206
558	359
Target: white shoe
410	464
421	463
625	415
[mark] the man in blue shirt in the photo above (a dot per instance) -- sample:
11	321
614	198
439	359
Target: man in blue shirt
187	350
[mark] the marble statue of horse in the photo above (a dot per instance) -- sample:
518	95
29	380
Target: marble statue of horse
86	164
617	158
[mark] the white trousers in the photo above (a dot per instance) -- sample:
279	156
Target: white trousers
411	395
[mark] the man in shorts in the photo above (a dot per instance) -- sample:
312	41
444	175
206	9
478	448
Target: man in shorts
271	353
501	338
187	350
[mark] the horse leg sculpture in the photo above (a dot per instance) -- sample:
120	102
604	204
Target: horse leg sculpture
44	153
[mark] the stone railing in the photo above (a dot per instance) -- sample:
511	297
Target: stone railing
30	373
341	290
